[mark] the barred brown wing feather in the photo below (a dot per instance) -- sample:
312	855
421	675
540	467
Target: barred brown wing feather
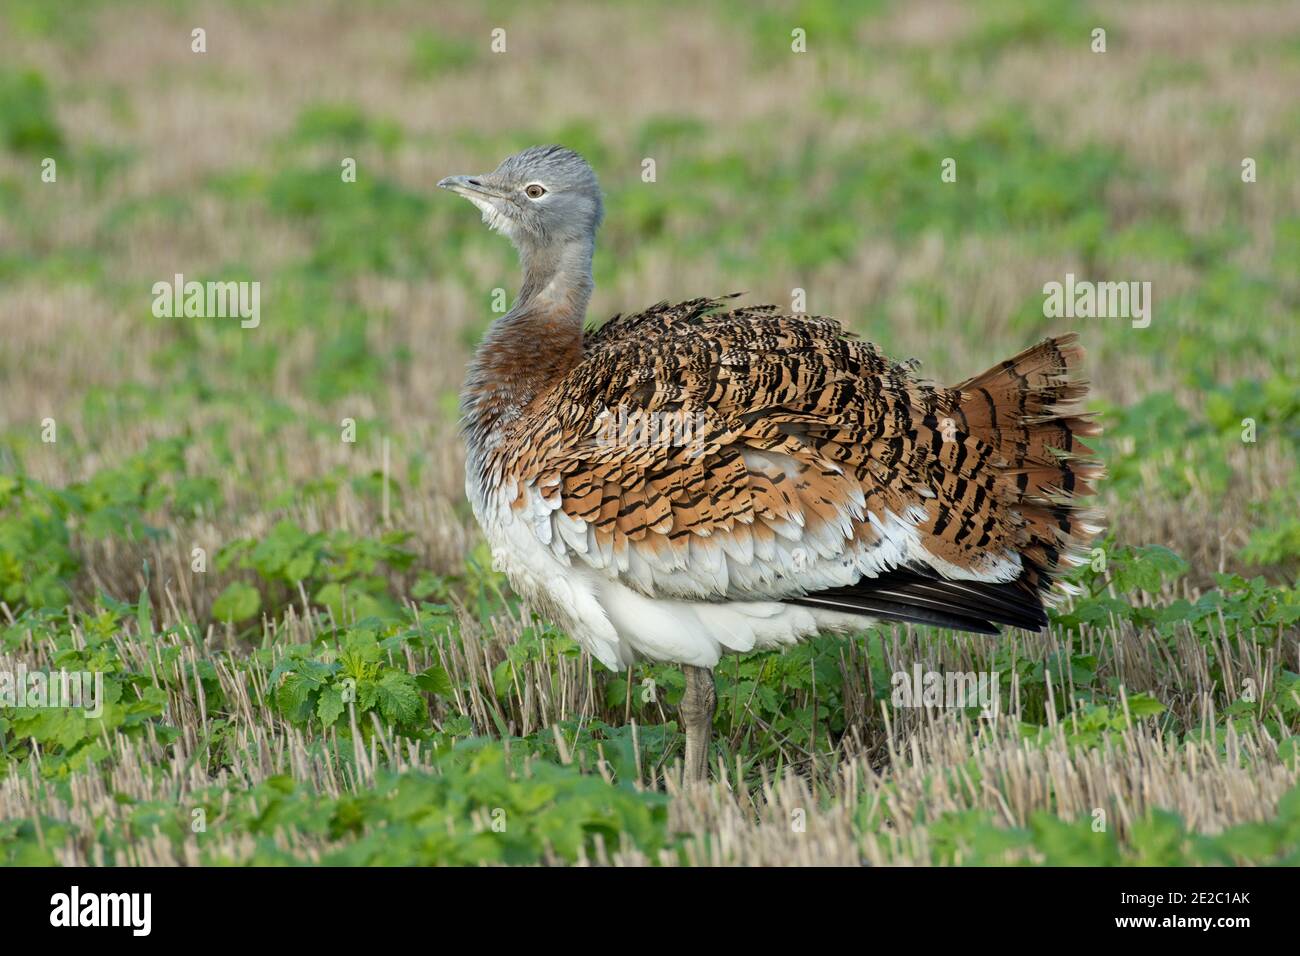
799	461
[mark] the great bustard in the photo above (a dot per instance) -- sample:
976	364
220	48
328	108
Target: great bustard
690	481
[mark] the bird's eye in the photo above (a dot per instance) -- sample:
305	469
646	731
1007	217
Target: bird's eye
534	191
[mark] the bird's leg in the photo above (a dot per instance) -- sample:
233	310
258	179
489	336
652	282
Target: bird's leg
698	704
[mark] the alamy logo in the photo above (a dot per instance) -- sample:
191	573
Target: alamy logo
83	690
1083	299
208	300
103	909
958	689
638	428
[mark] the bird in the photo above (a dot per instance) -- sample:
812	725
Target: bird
705	478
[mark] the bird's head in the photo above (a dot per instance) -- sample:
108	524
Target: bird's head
542	196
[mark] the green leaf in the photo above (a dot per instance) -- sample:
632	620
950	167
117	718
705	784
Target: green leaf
238	602
1144	705
301	566
144	614
435	681
330	706
398	697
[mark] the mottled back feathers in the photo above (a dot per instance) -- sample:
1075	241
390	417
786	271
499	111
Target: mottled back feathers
707	454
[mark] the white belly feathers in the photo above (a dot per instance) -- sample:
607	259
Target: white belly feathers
618	625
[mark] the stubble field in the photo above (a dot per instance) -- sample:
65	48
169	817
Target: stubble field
258	535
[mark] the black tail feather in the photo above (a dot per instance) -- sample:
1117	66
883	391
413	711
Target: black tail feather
920	596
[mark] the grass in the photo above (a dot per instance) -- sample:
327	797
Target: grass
306	654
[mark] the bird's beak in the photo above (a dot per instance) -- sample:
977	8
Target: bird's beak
470	187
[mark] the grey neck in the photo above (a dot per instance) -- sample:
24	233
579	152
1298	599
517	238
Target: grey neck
557	278
532	346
